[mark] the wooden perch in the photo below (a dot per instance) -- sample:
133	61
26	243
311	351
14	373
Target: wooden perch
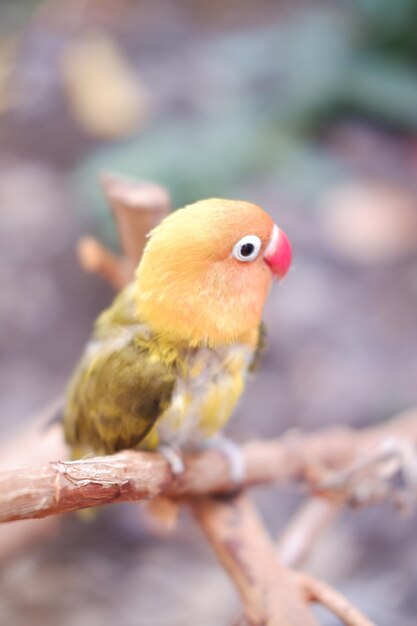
305	528
56	487
244	548
95	258
137	208
322	593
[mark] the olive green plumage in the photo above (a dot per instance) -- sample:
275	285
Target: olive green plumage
128	379
121	386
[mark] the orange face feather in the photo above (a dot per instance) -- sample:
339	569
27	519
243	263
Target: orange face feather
199	283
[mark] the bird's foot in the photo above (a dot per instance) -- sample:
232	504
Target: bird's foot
233	454
173	456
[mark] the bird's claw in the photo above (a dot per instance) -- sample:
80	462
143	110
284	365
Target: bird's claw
225	446
174	459
233	454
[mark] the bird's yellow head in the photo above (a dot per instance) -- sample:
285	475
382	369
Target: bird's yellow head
207	269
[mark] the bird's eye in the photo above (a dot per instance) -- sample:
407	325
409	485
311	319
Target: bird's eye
247	248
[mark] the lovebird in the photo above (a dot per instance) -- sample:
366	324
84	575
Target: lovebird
168	360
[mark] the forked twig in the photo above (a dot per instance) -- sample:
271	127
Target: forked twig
322	593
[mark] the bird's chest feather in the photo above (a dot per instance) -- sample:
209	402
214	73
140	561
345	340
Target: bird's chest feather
207	390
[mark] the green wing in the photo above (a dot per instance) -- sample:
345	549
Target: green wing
121	387
116	398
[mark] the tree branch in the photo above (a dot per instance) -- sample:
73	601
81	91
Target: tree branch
305	528
61	486
138	206
237	535
319	591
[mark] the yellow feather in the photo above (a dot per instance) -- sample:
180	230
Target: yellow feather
219	404
188	286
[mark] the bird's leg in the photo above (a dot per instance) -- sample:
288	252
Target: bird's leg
230	450
172	454
233	454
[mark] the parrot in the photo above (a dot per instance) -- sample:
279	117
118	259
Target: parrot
168	360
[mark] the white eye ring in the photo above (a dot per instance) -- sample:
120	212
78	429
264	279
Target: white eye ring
247	248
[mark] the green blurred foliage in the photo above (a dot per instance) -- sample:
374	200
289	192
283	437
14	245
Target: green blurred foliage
383	81
290	79
390	26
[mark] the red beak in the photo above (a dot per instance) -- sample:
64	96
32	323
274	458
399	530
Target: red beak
278	254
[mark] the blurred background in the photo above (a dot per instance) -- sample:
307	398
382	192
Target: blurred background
308	108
